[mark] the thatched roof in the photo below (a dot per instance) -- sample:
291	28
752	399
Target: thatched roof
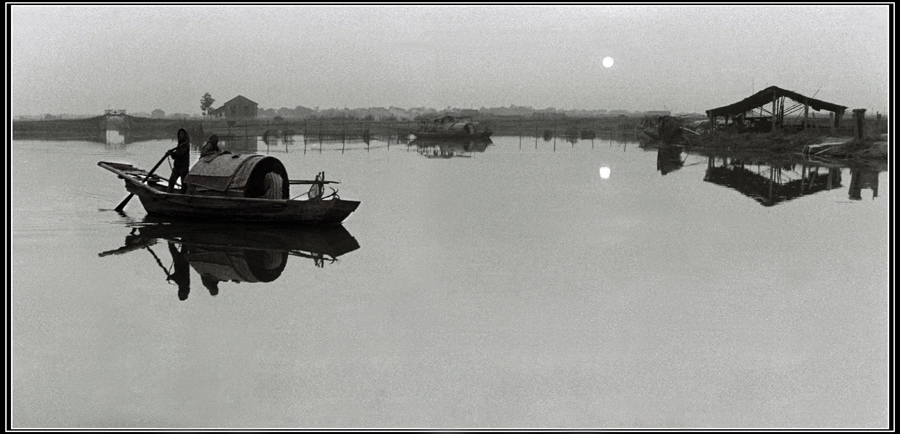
766	95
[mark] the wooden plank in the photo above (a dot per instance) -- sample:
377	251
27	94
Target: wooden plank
299	181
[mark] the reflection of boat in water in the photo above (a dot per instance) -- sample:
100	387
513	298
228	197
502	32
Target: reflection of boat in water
235	253
449	126
449	148
235	187
668	159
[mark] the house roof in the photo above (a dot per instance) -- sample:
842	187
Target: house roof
238	99
766	95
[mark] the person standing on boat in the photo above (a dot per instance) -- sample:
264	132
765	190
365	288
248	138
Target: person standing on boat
181	160
211	147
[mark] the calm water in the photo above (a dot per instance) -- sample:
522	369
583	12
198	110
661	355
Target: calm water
514	287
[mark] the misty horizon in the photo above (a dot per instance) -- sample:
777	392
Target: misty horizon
688	59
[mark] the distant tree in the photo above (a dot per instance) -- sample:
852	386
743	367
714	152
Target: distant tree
206	103
157	114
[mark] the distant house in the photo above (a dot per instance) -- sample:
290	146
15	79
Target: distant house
548	115
238	107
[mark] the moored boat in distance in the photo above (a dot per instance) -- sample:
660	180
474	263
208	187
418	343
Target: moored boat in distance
236	187
450	126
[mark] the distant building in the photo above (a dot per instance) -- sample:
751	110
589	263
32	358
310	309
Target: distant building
238	107
658	113
548	115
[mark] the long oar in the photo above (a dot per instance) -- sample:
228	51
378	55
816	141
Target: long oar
124	202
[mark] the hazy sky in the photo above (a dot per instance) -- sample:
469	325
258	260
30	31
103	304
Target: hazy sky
84	59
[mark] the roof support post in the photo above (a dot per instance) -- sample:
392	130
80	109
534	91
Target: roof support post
774	109
805	113
859	118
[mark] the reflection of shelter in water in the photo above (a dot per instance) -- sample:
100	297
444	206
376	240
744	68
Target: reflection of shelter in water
863	178
237	253
772	185
449	148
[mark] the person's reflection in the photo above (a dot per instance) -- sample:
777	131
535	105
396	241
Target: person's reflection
182	273
211	283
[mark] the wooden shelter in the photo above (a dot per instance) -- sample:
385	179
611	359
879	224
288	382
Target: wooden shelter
774	117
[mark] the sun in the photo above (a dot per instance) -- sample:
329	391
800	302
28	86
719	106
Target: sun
608	62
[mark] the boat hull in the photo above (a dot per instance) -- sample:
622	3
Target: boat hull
451	135
214	208
157	201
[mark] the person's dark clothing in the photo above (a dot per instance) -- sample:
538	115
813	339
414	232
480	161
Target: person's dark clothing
211	147
181	159
181	153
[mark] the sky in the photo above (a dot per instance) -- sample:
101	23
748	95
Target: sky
684	58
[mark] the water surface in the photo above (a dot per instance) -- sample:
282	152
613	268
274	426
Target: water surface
505	285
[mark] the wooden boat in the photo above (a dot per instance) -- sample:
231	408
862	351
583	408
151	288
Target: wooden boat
649	132
664	128
449	126
236	187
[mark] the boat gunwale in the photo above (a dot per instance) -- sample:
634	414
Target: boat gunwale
135	182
